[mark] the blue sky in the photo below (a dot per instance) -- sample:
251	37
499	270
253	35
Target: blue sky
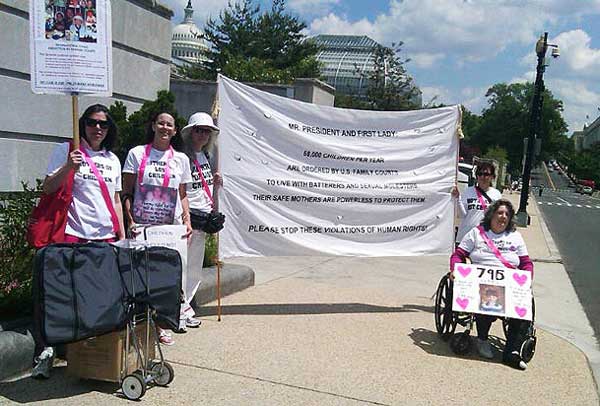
459	48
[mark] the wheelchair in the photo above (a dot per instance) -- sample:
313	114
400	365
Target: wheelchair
446	321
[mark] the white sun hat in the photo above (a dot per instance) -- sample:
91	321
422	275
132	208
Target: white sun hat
199	120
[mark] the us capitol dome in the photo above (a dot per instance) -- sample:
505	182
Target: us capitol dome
187	45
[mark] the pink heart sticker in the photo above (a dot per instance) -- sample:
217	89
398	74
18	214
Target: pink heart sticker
462	302
520	279
521	311
464	271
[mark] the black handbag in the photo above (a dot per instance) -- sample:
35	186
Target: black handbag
210	223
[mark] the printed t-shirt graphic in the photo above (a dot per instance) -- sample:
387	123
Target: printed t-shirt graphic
88	215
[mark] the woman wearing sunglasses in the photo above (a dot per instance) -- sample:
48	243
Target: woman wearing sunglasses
95	213
476	199
198	136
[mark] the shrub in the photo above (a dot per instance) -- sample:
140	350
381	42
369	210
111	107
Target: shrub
16	256
210	250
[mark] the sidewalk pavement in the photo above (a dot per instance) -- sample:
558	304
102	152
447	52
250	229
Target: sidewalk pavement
355	331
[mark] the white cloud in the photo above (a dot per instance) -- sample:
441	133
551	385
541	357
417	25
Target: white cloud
472	98
332	24
312	7
425	60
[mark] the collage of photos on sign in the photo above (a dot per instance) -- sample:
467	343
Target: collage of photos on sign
71	20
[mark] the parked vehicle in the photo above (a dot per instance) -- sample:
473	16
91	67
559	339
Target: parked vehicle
586	190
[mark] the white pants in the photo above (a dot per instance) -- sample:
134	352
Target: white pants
193	273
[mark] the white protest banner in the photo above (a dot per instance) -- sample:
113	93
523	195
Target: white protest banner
304	179
70	46
492	290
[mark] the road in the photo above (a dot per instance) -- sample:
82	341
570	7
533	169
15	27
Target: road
574	222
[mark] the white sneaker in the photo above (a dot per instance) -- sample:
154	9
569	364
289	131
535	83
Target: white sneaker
484	348
192	322
43	364
522	364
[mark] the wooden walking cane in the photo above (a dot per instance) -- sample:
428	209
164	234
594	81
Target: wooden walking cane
215	115
75	111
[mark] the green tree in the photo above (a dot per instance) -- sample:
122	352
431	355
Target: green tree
389	87
505	122
248	45
585	165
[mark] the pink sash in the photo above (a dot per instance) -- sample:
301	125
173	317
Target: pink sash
167	176
480	198
103	189
204	184
494	249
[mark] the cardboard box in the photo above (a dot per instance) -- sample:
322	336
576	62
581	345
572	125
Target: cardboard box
102	357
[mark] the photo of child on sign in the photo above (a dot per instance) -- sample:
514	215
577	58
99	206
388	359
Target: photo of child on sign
491	298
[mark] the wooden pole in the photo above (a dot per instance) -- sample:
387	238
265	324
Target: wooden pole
75	110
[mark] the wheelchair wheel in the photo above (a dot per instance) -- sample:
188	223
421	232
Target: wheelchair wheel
445	321
505	320
528	348
461	343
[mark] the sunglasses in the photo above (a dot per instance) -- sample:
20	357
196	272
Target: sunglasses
90	122
201	129
484	174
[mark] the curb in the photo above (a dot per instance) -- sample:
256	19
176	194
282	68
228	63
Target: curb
16	341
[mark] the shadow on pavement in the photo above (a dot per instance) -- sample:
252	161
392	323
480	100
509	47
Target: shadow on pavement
309	308
430	342
59	386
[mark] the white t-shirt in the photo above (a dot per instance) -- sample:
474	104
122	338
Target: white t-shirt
509	243
155	170
88	215
195	190
471	210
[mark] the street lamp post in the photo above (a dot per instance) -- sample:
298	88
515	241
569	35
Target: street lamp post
534	123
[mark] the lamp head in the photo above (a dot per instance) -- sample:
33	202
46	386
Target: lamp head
555	52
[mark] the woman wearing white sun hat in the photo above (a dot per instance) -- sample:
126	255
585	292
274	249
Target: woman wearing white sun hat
199	136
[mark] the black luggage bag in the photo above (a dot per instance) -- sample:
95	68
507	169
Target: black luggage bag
85	290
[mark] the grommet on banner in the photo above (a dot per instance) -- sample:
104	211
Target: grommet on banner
267	114
417	130
441	130
339	217
237	157
264	162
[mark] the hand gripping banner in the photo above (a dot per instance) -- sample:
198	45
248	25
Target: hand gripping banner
305	179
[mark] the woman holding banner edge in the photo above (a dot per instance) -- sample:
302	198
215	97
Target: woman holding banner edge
95	212
157	164
495	242
473	203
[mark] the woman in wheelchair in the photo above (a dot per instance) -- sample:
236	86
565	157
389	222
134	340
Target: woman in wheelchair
497	243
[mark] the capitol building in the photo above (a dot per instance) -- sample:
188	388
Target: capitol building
187	44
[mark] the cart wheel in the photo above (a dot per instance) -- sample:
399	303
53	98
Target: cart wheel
445	322
461	343
134	386
163	373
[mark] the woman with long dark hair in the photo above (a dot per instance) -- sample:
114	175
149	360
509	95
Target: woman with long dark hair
95	213
157	169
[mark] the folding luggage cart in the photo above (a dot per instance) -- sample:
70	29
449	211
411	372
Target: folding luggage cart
150	371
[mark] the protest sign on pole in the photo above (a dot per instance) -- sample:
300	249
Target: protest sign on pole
492	290
304	179
70	47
